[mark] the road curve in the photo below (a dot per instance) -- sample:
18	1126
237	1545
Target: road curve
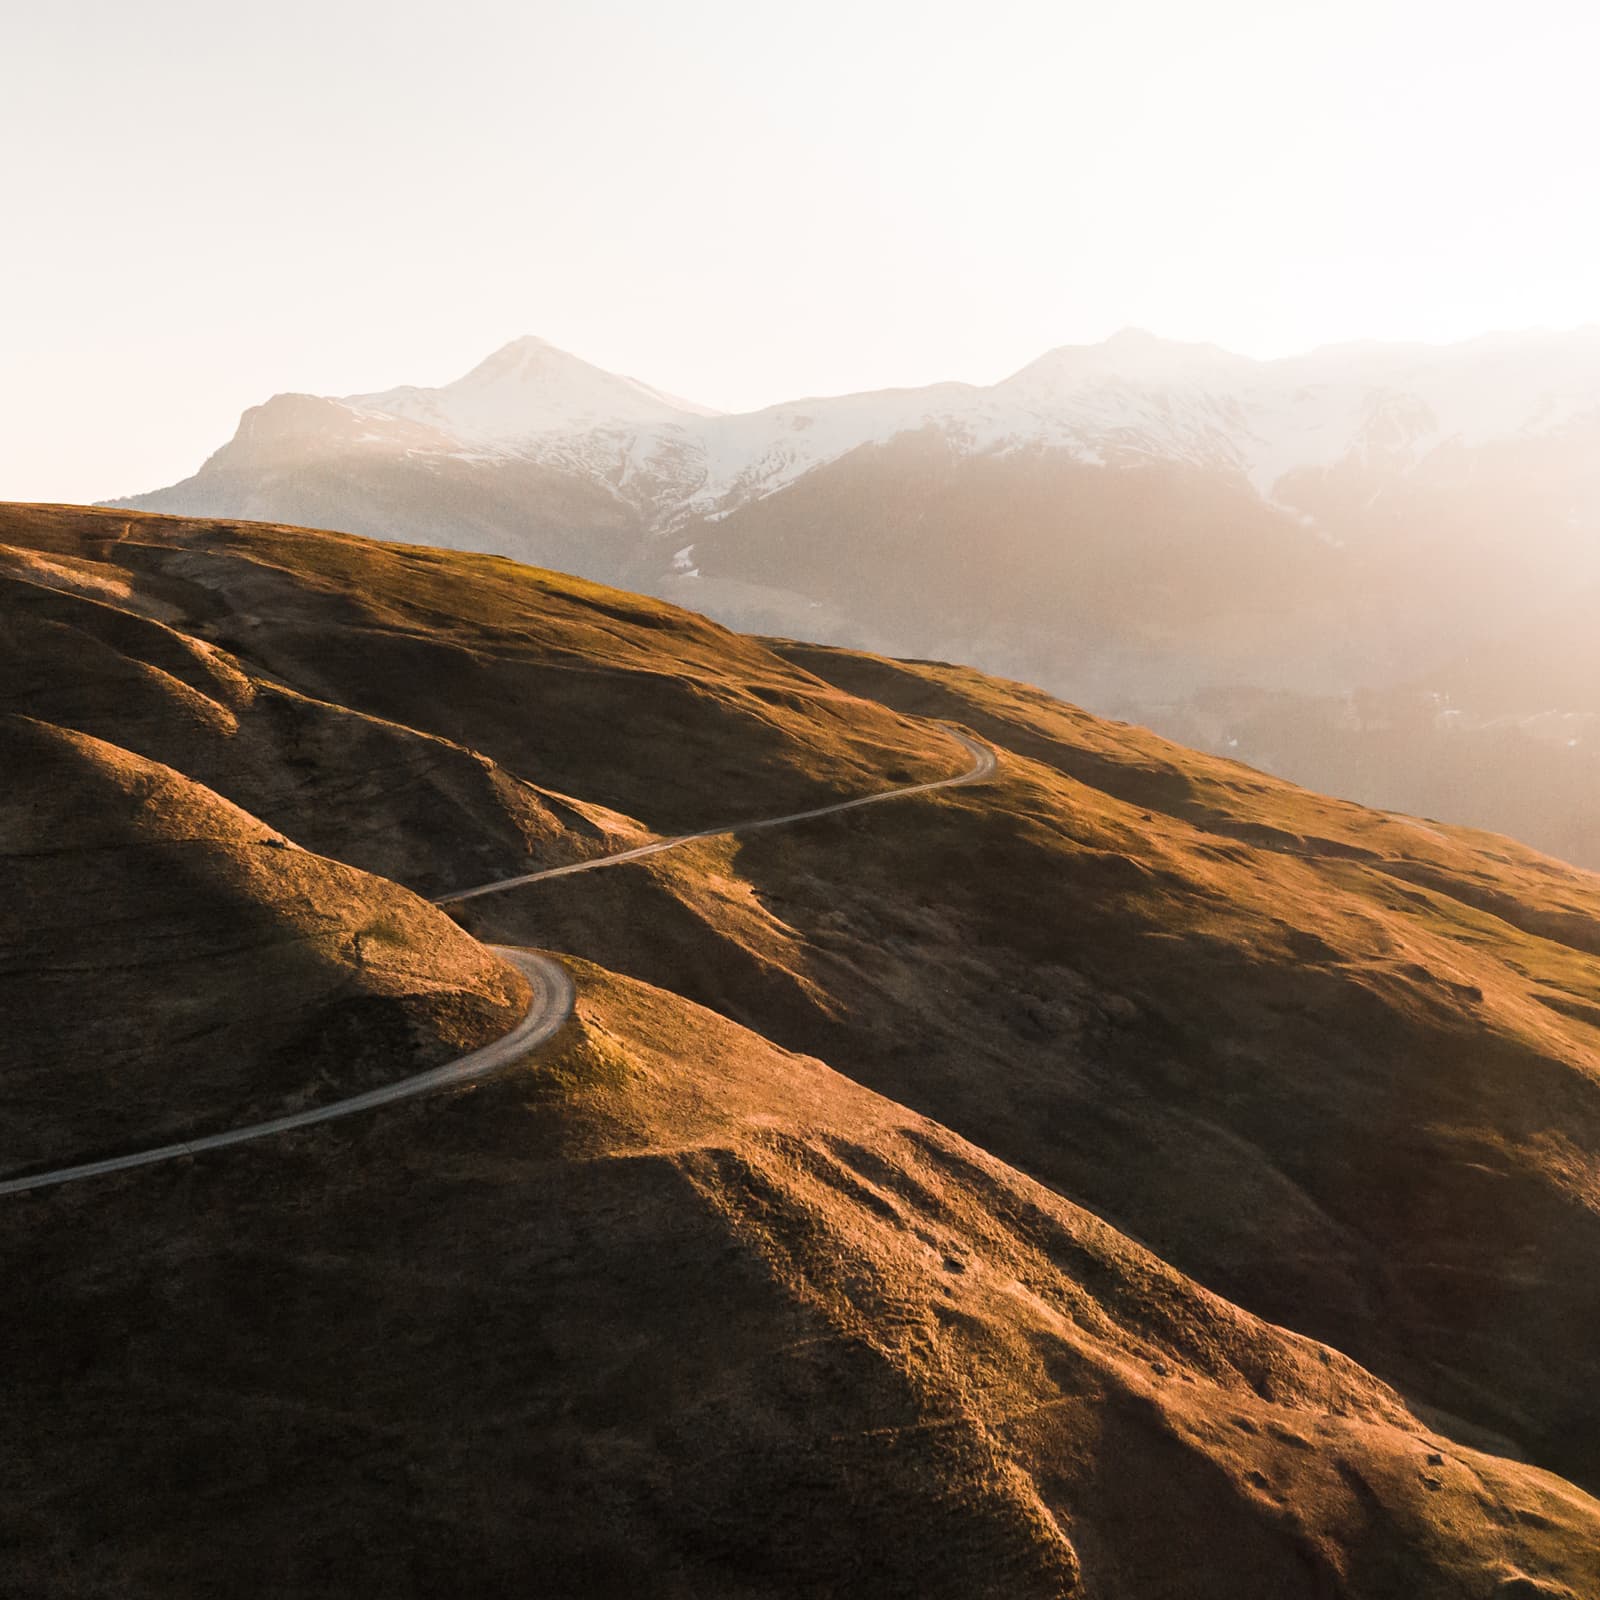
553	996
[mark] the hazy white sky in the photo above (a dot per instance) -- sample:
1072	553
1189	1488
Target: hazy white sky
205	202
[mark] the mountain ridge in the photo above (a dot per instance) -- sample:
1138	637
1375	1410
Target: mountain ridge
530	398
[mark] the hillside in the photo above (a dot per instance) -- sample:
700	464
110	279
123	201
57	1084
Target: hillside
1130	1175
170	965
334	633
1339	1065
672	1312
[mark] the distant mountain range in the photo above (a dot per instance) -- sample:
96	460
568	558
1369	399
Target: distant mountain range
1152	528
1376	412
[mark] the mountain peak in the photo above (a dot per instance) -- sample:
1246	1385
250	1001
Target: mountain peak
1129	354
531	387
1131	338
525	342
520	355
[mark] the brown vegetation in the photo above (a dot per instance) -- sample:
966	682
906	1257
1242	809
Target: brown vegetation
672	1310
169	965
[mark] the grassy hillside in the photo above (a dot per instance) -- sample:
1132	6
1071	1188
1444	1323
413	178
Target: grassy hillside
1199	1195
170	965
1341	1066
631	703
671	1312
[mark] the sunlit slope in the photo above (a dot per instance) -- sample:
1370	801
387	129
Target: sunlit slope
1340	1066
670	1311
168	964
628	702
77	647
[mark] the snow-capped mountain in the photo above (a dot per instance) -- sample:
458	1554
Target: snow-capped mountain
524	393
1133	399
1270	419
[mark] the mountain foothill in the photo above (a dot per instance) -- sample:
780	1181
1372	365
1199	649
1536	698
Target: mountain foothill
1132	1174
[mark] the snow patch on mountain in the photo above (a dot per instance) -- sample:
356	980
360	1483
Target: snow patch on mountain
1132	398
527	390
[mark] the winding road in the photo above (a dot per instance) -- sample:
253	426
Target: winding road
983	764
551	1004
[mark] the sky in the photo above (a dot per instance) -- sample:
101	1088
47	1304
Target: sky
205	203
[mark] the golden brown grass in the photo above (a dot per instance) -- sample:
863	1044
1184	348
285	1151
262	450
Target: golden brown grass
673	1310
1338	1065
170	965
636	705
